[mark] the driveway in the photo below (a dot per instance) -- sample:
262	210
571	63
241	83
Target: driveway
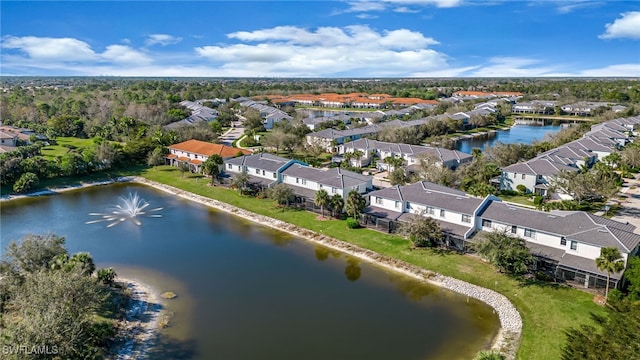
231	135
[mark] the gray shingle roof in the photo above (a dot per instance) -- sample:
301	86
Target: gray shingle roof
334	177
576	225
264	161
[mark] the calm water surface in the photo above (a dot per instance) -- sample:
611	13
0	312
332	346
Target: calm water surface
524	134
248	292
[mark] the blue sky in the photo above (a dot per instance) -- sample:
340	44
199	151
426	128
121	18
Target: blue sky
392	38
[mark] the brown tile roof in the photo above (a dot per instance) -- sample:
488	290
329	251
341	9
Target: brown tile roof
208	149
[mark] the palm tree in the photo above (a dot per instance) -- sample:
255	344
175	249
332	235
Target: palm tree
355	204
212	166
393	162
358	154
611	261
322	200
337	204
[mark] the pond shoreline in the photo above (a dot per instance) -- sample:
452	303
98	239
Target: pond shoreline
505	341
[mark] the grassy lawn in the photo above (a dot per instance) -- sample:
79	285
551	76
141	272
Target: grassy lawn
519	199
64	145
547	309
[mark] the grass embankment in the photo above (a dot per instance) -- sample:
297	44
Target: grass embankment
64	145
547	309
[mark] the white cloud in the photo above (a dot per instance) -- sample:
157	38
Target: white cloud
124	54
52	49
162	40
367	16
619	70
628	26
405	10
325	51
401	6
515	67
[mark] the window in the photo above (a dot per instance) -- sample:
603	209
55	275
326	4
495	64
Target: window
574	245
514	175
304	181
430	210
333	190
563	241
486	223
441	212
378	200
297	180
274	175
397	204
284	177
229	166
514	229
523	176
408	206
466	218
263	172
258	171
530	233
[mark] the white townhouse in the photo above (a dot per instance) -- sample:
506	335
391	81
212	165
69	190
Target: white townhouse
583	108
534	107
565	243
263	168
329	138
412	154
536	175
454	210
8	139
270	115
306	181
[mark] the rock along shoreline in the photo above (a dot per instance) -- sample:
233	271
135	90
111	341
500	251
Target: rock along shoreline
508	337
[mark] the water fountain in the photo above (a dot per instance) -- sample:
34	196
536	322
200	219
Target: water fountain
131	208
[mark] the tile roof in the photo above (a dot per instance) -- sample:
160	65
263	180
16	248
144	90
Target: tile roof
207	149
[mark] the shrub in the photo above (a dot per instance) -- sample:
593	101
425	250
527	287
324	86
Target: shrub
537	200
352	223
26	182
521	189
509	192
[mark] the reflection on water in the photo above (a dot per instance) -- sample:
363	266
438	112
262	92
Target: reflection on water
525	134
246	292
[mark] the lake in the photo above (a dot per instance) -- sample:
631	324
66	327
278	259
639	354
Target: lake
525	134
249	292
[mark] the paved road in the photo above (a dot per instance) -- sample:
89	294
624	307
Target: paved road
630	211
232	134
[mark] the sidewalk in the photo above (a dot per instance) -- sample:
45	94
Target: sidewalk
630	205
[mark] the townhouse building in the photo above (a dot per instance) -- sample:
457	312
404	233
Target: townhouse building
264	169
305	181
564	243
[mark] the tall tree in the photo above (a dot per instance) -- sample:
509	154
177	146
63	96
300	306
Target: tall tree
322	199
611	261
508	253
355	204
337	204
422	231
211	166
281	193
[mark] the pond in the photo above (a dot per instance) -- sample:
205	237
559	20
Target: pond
525	134
249	292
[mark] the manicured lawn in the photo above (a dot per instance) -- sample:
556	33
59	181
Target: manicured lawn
64	145
519	199
547	310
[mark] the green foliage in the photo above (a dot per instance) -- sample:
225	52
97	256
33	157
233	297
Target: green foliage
211	166
490	355
352	223
522	189
422	231
354	204
281	193
508	253
241	182
26	182
610	261
615	336
33	253
632	274
322	199
336	204
106	275
398	177
157	156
